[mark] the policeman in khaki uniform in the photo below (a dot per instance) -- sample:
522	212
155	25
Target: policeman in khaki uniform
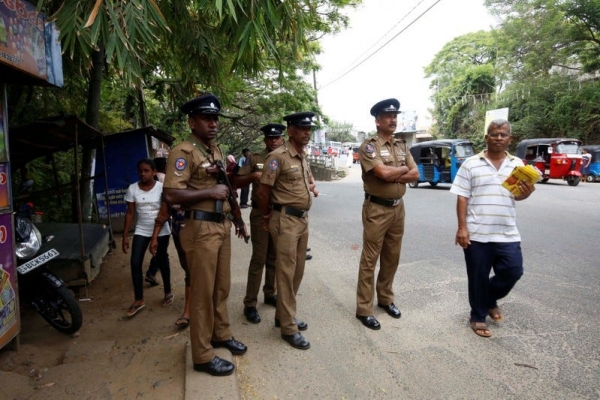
387	167
284	200
263	250
205	235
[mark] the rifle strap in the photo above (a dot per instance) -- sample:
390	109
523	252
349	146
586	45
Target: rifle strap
200	146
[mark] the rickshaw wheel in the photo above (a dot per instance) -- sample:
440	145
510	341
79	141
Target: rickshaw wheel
544	180
434	184
574	181
590	178
413	184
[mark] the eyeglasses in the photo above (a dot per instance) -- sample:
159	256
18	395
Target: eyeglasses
496	135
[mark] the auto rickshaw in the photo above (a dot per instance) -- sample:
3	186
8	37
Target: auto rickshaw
594	167
556	158
438	161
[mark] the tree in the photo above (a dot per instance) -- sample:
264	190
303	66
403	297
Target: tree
340	131
538	63
198	41
463	74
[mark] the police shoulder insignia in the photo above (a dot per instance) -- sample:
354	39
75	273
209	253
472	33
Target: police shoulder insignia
180	164
273	165
369	148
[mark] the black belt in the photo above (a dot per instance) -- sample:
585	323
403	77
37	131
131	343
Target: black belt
382	201
291	211
205	216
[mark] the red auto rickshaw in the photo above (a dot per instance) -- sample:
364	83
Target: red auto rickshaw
556	158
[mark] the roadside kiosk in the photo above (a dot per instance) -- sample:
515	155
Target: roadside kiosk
30	54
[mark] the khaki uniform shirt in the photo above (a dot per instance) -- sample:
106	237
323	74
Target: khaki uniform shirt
256	164
287	172
186	169
377	151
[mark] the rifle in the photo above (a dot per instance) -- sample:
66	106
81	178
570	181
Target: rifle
236	212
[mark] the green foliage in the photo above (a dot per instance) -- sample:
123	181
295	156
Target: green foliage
340	132
158	54
463	72
540	63
51	192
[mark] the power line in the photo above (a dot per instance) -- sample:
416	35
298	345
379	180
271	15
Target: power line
385	44
385	34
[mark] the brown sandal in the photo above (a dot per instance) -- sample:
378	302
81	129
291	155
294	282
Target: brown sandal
133	309
182	322
169	299
481	329
496	314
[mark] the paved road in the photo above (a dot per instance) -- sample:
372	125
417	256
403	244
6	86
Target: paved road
547	348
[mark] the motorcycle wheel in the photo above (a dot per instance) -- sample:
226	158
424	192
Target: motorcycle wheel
60	309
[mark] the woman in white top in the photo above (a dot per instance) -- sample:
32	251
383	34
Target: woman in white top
144	201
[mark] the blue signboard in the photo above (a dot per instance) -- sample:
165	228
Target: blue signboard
122	153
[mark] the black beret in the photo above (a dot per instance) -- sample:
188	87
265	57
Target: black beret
386	106
205	104
300	119
273	130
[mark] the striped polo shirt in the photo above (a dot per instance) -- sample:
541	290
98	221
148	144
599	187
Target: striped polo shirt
491	212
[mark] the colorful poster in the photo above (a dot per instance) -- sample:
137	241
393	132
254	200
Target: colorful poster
28	43
22	43
3	135
4	188
9	315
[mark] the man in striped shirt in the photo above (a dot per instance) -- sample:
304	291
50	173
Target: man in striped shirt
487	228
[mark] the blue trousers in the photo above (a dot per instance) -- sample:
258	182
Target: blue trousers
505	259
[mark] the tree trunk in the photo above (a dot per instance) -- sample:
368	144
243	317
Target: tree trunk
142	105
92	117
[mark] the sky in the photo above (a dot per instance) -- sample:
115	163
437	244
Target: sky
397	70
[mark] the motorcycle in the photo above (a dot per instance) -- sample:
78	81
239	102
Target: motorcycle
38	286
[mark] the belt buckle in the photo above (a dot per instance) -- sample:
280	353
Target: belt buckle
396	202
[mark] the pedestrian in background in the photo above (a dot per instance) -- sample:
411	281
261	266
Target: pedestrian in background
585	164
284	200
263	250
160	163
143	200
176	218
191	180
487	226
387	167
245	191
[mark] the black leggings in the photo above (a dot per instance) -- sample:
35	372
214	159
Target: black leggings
153	269
138	250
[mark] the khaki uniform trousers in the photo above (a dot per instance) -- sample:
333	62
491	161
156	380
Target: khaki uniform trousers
290	236
263	256
207	247
383	228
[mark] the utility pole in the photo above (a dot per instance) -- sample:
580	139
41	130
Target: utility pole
315	86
